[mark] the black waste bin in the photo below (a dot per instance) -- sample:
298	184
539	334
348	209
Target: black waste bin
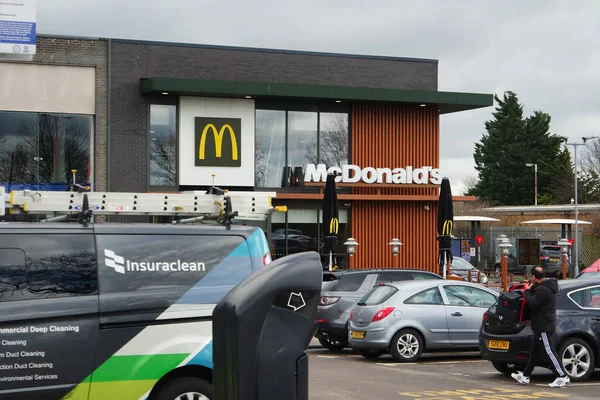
262	329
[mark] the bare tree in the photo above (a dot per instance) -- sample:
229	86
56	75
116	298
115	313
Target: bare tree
332	149
46	150
162	160
589	174
469	182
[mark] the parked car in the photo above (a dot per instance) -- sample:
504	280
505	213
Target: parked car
551	260
461	267
512	266
591	272
408	318
340	295
577	337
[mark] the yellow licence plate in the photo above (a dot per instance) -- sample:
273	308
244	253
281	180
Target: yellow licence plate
499	344
553	259
357	334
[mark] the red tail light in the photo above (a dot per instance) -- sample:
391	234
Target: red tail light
321	320
382	314
486	317
266	259
351	314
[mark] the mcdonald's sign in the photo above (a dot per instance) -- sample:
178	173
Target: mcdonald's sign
334	226
218	142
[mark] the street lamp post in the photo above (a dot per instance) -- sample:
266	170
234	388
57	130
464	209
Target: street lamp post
564	248
535	179
350	244
395	245
575	145
505	248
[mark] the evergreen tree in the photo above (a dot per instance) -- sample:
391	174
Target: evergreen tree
511	142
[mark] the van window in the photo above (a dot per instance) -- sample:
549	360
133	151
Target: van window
38	266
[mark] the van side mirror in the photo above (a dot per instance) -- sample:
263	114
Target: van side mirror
262	329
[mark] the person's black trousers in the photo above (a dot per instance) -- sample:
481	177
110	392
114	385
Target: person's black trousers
542	349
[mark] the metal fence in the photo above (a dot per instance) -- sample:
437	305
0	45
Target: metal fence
589	245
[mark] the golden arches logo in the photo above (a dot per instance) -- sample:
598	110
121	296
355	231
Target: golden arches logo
218	141
334	226
447	228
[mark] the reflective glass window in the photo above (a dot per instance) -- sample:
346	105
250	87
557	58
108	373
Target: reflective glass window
270	148
333	139
37	266
163	145
39	150
302	142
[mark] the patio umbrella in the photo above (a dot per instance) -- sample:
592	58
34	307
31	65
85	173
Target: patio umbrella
444	225
330	217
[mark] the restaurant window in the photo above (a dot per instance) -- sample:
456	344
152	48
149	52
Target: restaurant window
302	144
270	148
163	145
304	233
38	151
333	139
286	141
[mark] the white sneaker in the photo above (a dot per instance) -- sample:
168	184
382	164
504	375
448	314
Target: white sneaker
519	377
560	382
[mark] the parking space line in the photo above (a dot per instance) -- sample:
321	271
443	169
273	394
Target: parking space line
574	384
327	356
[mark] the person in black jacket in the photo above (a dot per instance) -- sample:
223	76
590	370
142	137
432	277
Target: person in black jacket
540	298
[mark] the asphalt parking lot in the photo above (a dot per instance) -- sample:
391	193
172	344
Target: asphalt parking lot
446	376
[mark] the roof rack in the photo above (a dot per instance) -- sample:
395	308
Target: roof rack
214	204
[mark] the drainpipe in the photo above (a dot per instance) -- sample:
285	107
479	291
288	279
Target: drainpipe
108	111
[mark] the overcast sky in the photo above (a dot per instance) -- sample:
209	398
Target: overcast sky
547	51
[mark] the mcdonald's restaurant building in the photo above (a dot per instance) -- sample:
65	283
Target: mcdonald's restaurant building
141	116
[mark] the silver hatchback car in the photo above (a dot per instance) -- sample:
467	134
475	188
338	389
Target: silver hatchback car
408	318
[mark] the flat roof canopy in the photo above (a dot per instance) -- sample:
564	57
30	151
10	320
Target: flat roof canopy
475	218
447	102
556	221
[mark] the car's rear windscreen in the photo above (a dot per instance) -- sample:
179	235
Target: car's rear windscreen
377	295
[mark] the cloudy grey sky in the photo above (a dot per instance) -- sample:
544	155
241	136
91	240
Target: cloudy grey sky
547	51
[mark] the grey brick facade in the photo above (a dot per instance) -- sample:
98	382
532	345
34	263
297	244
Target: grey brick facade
84	52
131	61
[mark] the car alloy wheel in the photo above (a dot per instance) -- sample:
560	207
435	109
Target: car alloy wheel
191	396
577	359
407	345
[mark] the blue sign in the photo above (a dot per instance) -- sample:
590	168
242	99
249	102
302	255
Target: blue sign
17	27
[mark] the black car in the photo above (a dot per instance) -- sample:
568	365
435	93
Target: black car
577	338
341	291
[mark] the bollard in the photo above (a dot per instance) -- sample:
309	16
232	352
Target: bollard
469	276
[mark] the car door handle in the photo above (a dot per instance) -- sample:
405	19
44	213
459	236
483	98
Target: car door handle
457	314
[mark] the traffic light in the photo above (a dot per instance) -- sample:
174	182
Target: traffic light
479	240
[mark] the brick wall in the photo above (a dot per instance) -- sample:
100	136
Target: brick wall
132	61
84	52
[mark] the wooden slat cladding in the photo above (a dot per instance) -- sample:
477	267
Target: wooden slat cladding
390	136
376	223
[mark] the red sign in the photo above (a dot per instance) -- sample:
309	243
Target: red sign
571	241
479	240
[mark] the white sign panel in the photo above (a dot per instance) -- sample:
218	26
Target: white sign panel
17	26
217	142
355	174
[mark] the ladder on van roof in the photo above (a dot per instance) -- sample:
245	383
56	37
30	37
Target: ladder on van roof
213	204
